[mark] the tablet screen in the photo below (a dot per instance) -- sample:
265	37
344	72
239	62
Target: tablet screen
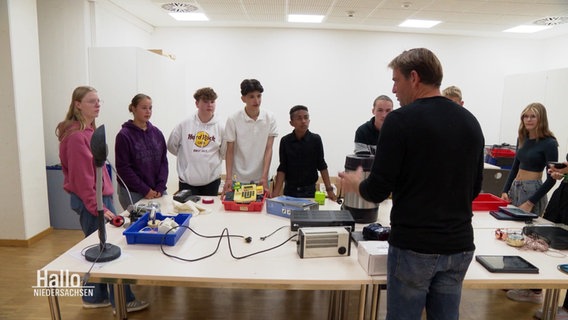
506	264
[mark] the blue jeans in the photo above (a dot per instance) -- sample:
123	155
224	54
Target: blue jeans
416	281
521	191
89	225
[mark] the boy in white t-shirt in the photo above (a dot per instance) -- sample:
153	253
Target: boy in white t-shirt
249	134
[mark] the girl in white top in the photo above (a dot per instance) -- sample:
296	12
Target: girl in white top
198	144
249	134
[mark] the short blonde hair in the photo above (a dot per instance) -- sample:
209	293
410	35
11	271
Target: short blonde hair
452	91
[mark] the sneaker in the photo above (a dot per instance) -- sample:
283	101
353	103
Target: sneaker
134	305
560	315
94	305
525	295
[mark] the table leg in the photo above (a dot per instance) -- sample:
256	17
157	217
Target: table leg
554	307
550	305
120	301
362	302
332	312
337	305
54	307
375	297
344	304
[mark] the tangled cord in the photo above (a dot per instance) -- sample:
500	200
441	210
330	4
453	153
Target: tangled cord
535	244
224	233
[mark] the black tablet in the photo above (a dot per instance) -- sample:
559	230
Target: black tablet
518	213
499	215
506	264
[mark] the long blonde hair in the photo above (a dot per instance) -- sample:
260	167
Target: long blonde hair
65	127
542	130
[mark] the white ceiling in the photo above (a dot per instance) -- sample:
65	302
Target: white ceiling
459	17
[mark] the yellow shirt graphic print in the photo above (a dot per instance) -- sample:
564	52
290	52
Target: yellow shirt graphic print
202	139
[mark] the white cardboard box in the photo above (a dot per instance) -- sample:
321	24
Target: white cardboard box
372	256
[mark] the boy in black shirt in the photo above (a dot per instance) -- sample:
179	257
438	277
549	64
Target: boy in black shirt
301	156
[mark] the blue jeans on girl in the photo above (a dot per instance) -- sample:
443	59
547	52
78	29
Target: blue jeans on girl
89	224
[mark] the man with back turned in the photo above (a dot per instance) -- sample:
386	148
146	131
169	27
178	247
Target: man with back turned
430	156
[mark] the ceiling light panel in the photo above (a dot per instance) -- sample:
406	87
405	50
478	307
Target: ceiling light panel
305	18
459	16
527	29
415	23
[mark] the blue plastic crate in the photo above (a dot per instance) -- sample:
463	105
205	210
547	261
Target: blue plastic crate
133	234
283	205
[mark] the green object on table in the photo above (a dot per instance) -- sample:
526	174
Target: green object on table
320	198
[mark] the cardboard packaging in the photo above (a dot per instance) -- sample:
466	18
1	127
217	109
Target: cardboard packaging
372	256
283	205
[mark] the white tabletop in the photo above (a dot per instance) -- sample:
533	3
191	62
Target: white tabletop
548	277
279	268
484	232
282	267
480	220
484	220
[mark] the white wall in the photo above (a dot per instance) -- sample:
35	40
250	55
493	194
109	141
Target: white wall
119	74
10	183
337	74
23	188
546	87
67	29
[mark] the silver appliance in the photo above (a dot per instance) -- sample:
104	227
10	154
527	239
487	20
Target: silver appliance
323	242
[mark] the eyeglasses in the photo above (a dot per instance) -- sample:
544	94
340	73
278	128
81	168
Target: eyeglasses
93	101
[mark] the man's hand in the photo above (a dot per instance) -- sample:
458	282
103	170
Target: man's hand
350	180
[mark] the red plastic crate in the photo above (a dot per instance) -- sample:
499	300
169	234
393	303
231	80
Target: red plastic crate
487	202
502	153
251	206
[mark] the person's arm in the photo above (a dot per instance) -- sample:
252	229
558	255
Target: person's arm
360	144
223	145
512	175
328	187
479	179
174	140
82	174
229	158
551	155
322	167
266	164
387	166
164	169
278	183
281	170
362	148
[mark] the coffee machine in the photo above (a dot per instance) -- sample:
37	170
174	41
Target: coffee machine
362	210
